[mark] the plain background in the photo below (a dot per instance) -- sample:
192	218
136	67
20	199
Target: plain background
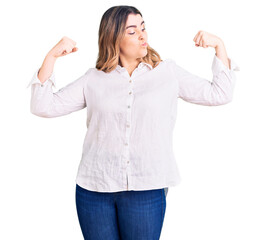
220	150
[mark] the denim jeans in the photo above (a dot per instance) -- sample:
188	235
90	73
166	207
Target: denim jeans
124	215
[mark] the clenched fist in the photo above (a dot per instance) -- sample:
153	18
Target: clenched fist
63	47
205	39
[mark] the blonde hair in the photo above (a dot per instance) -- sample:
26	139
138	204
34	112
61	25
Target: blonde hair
111	31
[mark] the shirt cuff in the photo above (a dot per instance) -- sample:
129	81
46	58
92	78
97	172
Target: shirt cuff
218	66
35	79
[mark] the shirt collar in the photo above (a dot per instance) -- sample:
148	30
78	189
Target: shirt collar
141	65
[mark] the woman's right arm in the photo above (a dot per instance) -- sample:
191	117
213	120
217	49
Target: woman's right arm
47	68
46	103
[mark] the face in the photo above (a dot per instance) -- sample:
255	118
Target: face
135	35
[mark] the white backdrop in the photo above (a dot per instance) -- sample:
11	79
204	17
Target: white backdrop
220	150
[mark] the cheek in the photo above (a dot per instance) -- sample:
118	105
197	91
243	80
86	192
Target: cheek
129	44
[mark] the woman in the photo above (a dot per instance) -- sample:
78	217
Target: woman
131	96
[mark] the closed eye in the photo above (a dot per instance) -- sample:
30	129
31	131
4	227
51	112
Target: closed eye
134	32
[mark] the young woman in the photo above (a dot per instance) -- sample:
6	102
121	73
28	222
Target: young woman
131	98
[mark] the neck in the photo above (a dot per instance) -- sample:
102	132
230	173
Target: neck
129	64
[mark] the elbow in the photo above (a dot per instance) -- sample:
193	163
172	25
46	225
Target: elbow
218	98
228	98
40	113
222	93
222	100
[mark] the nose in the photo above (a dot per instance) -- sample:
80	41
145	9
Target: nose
141	36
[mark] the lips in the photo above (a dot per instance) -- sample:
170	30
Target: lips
144	44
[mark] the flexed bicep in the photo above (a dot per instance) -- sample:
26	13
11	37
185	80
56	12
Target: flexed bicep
198	90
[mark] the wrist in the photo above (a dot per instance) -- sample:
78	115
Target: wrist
219	44
50	56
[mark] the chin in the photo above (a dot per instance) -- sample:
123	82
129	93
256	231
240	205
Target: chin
143	54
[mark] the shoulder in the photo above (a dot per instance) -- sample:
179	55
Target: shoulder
167	63
90	70
93	72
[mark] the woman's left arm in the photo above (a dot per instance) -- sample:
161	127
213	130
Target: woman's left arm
205	39
221	53
195	89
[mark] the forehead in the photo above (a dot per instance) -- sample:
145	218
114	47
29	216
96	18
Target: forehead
133	19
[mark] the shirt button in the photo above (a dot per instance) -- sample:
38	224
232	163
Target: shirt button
128	106
127	161
130	92
128	125
41	85
126	144
130	81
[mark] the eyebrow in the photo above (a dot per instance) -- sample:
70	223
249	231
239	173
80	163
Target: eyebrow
134	25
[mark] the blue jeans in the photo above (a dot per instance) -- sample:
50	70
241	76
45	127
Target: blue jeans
125	215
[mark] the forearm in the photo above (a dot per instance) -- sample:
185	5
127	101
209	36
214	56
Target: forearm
47	67
221	53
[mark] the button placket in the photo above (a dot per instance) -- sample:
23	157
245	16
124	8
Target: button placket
128	119
128	126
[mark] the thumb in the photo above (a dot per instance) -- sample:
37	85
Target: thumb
74	49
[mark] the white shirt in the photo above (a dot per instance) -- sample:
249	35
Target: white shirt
130	120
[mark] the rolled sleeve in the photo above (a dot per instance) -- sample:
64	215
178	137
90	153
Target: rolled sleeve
218	66
219	91
35	79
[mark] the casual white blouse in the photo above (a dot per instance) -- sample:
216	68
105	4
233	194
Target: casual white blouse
130	119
